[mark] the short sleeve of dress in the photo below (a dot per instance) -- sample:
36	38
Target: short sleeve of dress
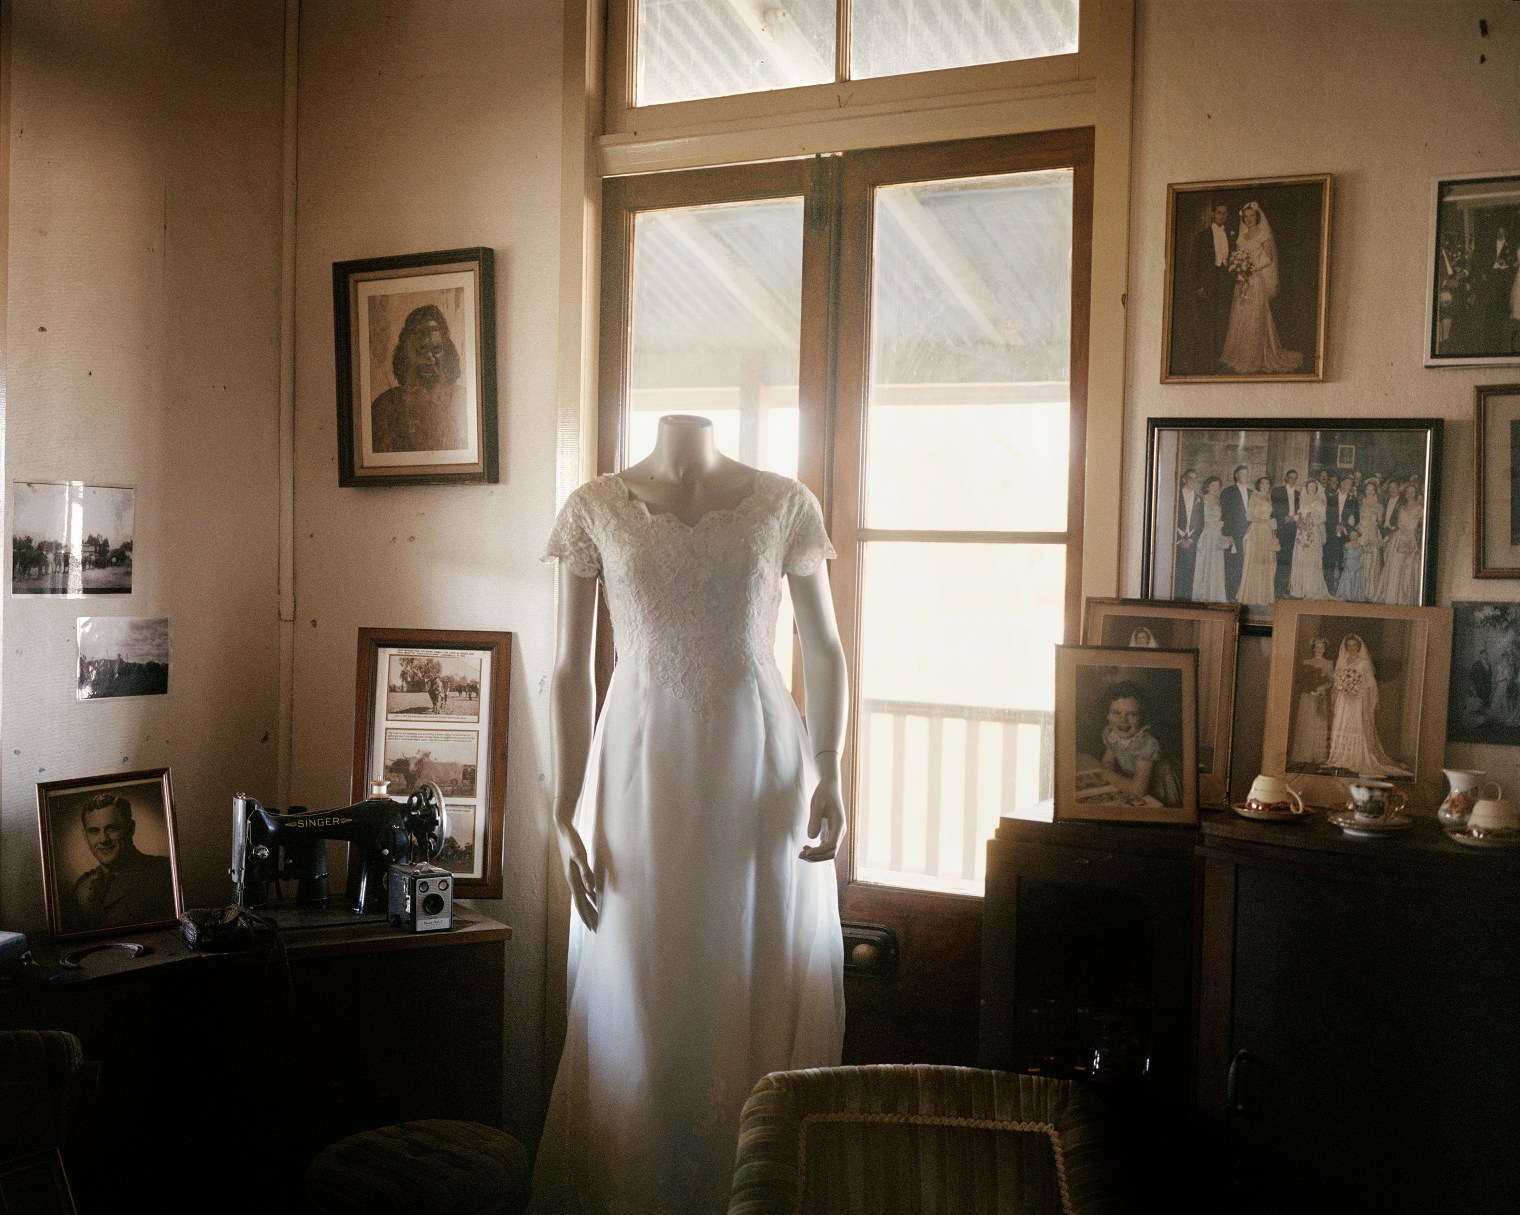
1145	746
570	539
807	543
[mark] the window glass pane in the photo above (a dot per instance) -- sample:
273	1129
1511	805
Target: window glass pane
714	48
890	37
717	300
968	414
957	697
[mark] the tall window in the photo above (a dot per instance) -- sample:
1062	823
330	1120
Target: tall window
905	330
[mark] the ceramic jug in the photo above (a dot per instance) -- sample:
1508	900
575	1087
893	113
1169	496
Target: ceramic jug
1458	803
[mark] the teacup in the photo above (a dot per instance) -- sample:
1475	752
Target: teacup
1372	800
1493	813
1275	794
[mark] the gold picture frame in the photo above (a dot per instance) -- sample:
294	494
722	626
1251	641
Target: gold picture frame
1155	741
1368	702
1213	629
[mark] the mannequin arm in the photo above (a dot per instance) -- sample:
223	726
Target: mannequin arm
827	696
572	718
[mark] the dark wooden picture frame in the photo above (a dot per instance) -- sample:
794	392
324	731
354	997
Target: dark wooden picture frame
1163	688
416	362
432	704
1472	268
1249	308
1496	476
1213	629
1262	567
113	868
1404	688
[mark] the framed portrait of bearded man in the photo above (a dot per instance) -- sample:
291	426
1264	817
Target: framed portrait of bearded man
416	360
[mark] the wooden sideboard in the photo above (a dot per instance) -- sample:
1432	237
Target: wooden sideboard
1345	1007
221	1074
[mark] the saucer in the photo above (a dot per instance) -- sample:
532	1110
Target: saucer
1370	828
1492	837
1291	815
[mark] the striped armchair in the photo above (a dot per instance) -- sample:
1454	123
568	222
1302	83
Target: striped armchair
922	1140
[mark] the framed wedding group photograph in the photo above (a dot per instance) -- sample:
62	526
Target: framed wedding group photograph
1258	512
1247	274
431	706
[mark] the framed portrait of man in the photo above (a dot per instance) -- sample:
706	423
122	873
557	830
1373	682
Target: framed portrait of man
416	362
109	859
1247	270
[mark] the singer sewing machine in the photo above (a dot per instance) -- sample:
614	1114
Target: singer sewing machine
268	846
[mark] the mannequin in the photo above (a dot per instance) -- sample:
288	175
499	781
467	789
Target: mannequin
654	813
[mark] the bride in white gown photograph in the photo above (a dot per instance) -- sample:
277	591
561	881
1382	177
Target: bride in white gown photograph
1251	343
705	946
1354	742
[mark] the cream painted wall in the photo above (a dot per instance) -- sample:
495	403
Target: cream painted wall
143	331
1384	95
434	127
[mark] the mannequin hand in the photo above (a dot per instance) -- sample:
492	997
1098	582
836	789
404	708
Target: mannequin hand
579	874
825	818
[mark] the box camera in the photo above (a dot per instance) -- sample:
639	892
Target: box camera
421	897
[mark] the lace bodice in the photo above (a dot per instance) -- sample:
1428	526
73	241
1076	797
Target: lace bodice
696	605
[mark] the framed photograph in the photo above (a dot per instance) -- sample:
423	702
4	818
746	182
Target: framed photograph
1472	297
1358	690
1247	271
416	356
1126	734
1213	629
431	705
1496	534
1257	512
1484	701
36	1185
69	538
109	859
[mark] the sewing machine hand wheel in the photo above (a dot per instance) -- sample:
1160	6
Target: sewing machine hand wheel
425	820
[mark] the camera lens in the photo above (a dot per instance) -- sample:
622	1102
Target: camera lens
433	904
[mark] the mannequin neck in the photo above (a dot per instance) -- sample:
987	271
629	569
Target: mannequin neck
684	449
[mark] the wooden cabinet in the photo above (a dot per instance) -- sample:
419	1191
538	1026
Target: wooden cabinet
1358	1001
221	1074
1087	973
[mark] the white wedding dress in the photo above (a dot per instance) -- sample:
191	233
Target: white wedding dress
717	955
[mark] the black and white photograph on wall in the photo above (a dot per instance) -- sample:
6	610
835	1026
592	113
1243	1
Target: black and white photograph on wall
122	656
69	538
1213	630
1473	297
1247	266
446	758
108	853
1485	674
433	683
416	368
1126	734
1357	691
460	832
1256	512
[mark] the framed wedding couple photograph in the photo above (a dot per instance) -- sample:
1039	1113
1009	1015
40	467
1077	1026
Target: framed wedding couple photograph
1213	629
1358	690
1126	734
1472	297
1257	512
1247	274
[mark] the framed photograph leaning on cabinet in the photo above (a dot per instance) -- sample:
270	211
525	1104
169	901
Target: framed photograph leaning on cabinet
1496	534
1472	299
1213	629
1126	734
1358	690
